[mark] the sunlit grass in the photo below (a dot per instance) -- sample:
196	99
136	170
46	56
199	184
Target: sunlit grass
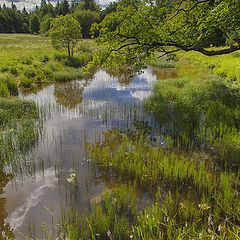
31	60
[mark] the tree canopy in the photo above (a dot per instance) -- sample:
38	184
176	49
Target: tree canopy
139	28
65	33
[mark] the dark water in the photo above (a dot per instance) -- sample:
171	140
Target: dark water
74	114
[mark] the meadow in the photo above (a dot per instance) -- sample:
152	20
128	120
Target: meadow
27	61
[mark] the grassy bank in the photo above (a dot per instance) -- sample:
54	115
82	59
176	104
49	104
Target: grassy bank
226	66
199	109
29	60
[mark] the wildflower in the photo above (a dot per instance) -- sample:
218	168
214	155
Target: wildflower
131	236
110	164
203	206
210	222
72	178
97	235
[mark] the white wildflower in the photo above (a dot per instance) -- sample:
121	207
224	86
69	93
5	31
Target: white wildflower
72	178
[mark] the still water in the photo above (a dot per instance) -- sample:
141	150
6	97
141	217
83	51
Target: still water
73	114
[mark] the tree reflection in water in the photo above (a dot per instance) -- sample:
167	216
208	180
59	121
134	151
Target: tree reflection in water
69	94
124	77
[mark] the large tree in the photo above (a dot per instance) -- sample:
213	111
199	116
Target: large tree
86	18
65	33
139	28
34	24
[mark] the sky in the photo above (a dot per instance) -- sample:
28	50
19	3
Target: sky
30	4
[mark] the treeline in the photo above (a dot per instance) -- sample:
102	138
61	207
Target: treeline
13	20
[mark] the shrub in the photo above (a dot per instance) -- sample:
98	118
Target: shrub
48	72
4	69
73	62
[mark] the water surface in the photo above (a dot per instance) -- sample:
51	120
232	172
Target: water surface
74	114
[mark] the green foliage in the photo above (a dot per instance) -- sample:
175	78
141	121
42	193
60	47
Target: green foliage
86	18
65	33
28	61
25	82
13	21
64	7
45	25
136	30
34	24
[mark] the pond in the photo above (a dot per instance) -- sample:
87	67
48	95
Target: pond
73	114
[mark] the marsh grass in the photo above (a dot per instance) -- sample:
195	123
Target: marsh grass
200	112
18	130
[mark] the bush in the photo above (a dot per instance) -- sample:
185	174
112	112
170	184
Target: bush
48	72
4	69
80	61
26	61
72	62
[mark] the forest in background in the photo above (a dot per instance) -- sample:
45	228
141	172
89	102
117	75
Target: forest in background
38	21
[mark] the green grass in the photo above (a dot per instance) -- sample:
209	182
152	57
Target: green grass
226	66
199	110
31	60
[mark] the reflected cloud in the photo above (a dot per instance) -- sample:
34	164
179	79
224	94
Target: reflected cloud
49	180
